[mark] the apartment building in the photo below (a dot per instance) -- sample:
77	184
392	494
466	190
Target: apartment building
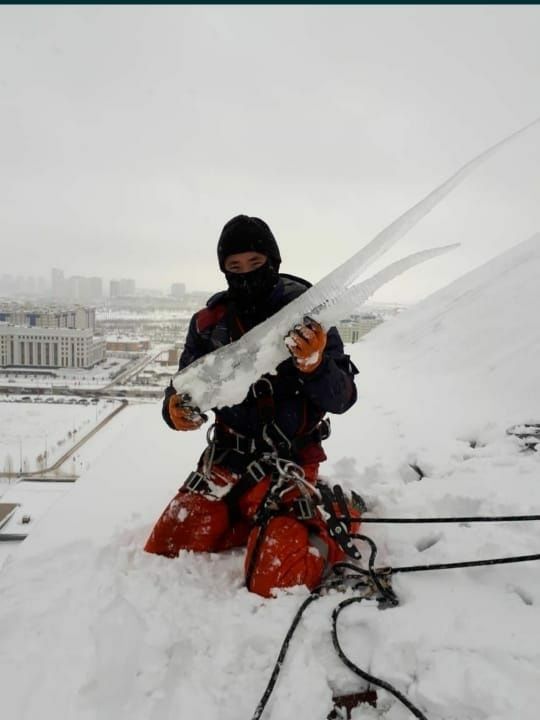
78	318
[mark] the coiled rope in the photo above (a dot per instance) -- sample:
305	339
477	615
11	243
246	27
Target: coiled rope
374	579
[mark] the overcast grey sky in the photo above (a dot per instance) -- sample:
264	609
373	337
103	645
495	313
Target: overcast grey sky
129	135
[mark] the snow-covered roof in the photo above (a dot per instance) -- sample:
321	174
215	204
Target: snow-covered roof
129	635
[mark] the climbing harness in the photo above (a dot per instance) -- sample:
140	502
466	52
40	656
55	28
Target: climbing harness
285	475
198	481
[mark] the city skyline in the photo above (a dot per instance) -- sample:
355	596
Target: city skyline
59	285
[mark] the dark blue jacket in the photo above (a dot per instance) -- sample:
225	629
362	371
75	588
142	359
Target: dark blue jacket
300	399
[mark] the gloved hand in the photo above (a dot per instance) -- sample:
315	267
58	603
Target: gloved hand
183	416
306	343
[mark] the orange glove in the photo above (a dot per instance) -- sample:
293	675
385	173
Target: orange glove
306	344
184	416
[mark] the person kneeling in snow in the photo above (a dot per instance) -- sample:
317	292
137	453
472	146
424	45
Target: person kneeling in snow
216	509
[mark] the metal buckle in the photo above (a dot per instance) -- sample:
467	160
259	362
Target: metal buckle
255	469
211	434
283	443
261	390
196	482
244	445
325	429
238	438
304	508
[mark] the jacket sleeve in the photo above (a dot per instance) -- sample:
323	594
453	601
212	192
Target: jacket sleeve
193	348
331	386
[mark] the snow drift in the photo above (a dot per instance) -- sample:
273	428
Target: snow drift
481	334
92	628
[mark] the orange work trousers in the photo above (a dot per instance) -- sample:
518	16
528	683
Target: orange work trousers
290	552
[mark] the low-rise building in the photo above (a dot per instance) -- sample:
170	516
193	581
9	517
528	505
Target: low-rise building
126	343
169	357
49	347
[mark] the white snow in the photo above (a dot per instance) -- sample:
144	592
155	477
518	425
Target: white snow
91	627
28	430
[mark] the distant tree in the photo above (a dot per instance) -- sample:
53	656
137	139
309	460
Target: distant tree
8	465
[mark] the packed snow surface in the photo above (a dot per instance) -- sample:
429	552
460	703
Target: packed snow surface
92	628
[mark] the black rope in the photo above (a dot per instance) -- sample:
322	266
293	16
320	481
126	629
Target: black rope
362	673
389	596
493	518
469	563
386	594
437	566
281	657
314	595
358	575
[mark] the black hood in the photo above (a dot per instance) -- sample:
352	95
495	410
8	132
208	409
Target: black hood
244	233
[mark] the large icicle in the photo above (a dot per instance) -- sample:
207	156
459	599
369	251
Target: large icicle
339	279
351	269
357	295
222	378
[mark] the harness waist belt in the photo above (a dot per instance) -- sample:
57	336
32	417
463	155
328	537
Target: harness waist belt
227	438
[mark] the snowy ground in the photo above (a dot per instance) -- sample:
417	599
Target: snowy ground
36	498
29	429
131	636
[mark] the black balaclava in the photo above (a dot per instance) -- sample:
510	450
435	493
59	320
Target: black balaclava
248	290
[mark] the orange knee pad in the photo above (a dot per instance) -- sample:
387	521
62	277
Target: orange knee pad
284	557
190	522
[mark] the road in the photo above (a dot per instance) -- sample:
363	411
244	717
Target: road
81	442
131	371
